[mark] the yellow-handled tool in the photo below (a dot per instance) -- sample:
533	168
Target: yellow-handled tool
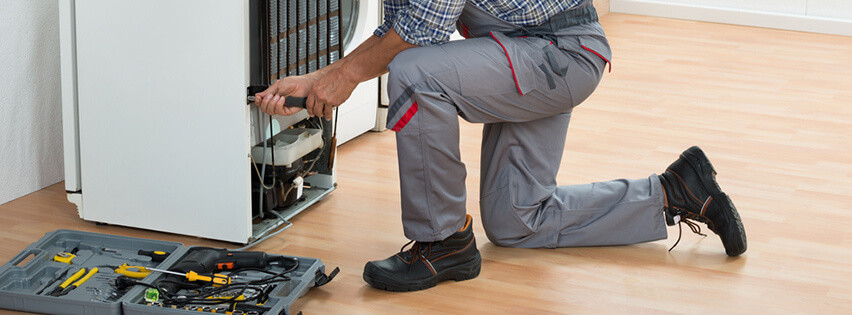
74	281
58	289
156	255
216	279
80	282
135	272
66	257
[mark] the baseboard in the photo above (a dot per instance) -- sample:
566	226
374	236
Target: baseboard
783	21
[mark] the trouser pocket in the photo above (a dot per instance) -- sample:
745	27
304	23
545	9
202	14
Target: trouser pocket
504	68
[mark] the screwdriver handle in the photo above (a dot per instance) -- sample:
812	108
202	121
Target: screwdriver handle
293	101
156	255
219	279
91	273
73	278
289	101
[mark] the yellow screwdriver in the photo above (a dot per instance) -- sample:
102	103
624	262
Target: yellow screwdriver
216	279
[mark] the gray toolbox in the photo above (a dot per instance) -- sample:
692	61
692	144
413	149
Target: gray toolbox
27	279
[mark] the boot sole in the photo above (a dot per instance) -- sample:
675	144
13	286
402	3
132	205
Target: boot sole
735	244
466	271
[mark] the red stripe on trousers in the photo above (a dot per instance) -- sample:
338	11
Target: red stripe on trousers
599	55
405	118
510	63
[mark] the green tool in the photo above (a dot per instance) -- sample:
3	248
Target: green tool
152	295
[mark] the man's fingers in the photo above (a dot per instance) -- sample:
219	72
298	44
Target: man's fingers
310	103
269	91
265	104
270	106
278	106
291	110
285	87
327	112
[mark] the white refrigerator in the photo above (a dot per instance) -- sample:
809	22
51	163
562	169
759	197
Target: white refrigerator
157	130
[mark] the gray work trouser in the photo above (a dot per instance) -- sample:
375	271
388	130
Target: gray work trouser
510	85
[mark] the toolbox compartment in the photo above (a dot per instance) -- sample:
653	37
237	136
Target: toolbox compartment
280	299
20	280
34	270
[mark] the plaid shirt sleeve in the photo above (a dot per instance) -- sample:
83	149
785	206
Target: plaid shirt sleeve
421	22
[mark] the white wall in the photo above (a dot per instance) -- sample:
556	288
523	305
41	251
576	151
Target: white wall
30	109
820	8
821	16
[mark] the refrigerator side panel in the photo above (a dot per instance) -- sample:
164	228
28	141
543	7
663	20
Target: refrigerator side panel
68	67
164	126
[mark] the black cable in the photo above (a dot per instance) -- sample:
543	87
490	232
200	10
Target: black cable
277	76
202	297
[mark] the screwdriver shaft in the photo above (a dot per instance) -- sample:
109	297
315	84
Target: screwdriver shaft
168	272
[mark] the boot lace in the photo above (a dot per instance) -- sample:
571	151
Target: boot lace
690	218
420	250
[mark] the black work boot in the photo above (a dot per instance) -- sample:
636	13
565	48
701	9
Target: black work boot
427	263
693	194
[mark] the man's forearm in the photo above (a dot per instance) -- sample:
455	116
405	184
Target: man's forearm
332	85
371	58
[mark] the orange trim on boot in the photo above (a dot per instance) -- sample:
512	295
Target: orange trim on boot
468	219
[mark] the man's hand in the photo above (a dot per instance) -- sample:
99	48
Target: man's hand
271	101
331	86
324	90
331	90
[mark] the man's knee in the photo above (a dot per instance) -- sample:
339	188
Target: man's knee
501	238
413	64
510	221
402	68
504	228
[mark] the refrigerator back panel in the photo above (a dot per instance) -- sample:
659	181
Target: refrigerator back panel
302	37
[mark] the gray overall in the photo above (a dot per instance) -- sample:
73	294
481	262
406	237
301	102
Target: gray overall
523	88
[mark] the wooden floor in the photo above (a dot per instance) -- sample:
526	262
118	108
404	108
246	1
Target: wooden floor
772	109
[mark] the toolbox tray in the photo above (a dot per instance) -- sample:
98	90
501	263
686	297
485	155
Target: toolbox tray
20	280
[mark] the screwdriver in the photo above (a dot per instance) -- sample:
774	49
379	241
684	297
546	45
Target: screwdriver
289	101
216	279
156	255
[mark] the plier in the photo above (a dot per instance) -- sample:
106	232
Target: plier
73	282
135	272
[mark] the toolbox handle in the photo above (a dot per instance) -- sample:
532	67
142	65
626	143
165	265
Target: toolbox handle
24	255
